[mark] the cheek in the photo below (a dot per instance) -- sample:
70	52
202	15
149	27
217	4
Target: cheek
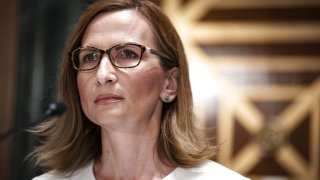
147	83
83	88
81	85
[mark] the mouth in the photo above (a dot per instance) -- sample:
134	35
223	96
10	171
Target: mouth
105	99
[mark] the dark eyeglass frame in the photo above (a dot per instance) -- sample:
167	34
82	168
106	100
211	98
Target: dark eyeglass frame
142	47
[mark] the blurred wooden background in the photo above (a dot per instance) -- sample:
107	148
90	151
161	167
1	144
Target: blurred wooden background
255	71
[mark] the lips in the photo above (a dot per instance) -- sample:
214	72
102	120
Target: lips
107	99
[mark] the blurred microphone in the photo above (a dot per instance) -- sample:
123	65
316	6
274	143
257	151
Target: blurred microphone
54	109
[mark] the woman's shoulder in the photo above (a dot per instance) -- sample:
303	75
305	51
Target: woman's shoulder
84	173
208	170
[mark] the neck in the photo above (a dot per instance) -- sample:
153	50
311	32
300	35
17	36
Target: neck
131	155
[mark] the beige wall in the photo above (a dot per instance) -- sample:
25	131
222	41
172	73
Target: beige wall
8	49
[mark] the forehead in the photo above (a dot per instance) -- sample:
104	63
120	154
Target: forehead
111	28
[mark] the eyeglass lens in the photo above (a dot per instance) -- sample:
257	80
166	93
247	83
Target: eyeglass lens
121	56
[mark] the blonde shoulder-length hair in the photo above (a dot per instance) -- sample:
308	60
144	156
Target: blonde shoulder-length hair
72	140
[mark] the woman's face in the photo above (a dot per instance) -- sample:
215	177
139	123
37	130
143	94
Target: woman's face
118	97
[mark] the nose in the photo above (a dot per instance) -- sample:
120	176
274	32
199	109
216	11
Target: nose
106	72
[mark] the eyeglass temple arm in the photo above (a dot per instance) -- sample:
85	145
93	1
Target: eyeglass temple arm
159	54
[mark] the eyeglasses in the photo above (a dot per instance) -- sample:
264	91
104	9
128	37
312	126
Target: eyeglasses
126	55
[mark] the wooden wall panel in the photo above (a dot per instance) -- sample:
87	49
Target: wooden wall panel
255	73
8	38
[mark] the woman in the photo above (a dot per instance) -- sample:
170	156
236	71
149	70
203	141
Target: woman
124	78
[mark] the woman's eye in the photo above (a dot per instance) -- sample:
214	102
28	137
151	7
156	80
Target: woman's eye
127	54
90	57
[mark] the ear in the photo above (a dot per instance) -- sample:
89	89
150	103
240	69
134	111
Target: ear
170	87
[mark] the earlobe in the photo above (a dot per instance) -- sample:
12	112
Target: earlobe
170	89
167	98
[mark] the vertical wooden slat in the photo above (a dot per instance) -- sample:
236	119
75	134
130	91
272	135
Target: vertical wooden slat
8	38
